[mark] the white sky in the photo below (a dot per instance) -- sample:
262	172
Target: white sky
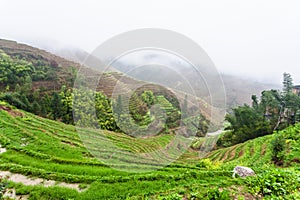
257	38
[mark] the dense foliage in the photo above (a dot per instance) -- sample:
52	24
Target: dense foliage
278	149
146	109
17	72
274	111
275	183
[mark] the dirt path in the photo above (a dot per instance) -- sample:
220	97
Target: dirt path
19	178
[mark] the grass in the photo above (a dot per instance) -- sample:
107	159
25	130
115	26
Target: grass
52	150
255	153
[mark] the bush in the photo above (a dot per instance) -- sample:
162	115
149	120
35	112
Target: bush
225	139
15	99
205	163
275	182
278	150
208	164
3	186
217	194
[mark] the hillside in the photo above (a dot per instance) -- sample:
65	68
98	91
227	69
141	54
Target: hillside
258	151
63	70
238	89
31	74
51	150
34	147
45	159
54	72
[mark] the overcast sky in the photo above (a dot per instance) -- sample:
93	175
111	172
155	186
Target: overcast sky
257	38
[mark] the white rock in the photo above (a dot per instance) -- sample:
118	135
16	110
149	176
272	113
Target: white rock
2	150
243	171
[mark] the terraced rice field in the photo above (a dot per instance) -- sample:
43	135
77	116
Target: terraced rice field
251	153
49	150
46	159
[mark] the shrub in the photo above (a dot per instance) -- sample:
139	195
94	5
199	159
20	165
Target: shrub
217	194
278	149
208	164
3	186
275	182
225	139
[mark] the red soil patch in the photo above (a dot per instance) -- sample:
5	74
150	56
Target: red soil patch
263	150
12	112
241	153
232	153
252	151
225	156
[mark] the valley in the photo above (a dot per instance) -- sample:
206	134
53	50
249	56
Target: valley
64	142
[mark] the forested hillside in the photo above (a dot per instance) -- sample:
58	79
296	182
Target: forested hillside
42	83
273	111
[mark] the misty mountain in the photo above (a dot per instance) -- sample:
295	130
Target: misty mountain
238	89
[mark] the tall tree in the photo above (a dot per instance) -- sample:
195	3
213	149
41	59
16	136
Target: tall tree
246	123
291	101
36	108
254	102
56	106
287	83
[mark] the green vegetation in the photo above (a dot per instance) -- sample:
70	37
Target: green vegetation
278	149
275	183
153	107
275	111
52	150
3	186
46	145
17	79
19	73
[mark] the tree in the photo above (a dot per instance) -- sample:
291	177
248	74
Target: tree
291	101
17	88
270	105
56	106
246	123
278	147
45	104
104	112
36	108
275	111
287	83
292	104
26	88
148	97
12	71
66	96
254	102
